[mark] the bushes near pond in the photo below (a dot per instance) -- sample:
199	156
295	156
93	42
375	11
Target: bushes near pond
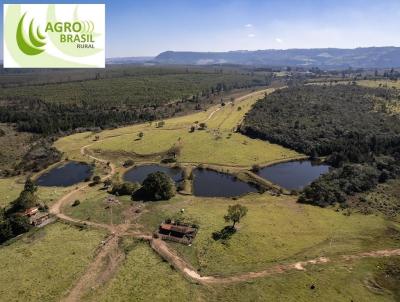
124	188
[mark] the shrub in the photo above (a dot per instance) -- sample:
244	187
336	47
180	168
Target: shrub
128	163
125	188
76	203
202	126
96	179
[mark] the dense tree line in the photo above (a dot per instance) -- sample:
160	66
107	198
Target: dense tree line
12	223
348	124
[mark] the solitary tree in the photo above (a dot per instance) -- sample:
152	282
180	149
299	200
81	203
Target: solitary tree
107	183
140	135
235	213
159	186
96	179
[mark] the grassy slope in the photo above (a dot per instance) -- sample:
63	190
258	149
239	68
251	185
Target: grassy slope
143	277
13	146
275	229
10	188
93	207
333	283
210	146
43	265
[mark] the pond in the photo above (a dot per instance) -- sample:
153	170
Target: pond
293	175
138	174
65	175
208	183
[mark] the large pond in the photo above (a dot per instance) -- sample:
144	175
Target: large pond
208	183
65	175
293	175
138	174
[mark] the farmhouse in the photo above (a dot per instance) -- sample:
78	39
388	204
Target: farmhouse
31	211
177	232
38	218
35	216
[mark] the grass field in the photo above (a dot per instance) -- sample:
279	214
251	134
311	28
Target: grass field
276	229
92	207
143	277
43	265
218	144
380	83
10	188
332	282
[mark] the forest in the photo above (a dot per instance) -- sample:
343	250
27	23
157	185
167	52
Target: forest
353	127
57	102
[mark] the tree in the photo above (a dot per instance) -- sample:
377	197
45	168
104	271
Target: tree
140	135
96	179
30	186
235	213
5	227
24	201
19	224
174	151
159	186
202	126
107	183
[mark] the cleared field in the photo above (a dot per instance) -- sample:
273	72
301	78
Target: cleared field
380	83
332	282
93	207
276	229
143	277
43	265
13	146
218	144
10	188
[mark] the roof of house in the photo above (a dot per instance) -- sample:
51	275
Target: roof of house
177	228
31	211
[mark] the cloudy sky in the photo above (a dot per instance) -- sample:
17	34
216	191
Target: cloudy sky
146	27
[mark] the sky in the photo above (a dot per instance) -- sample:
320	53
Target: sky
149	27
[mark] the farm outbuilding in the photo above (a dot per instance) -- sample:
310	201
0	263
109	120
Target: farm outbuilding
177	232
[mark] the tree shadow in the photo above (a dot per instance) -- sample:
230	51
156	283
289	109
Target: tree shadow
224	234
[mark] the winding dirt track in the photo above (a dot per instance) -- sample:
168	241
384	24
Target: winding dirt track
109	255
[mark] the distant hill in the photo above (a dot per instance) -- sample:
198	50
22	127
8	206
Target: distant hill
370	57
129	60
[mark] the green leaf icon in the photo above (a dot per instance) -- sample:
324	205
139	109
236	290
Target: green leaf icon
35	44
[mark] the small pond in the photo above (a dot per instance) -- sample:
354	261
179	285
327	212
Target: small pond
138	174
65	175
208	183
293	175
